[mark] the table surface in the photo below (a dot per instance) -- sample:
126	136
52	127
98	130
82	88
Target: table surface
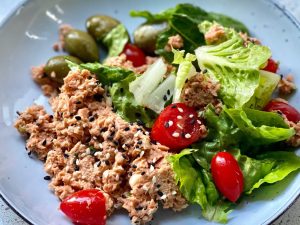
290	217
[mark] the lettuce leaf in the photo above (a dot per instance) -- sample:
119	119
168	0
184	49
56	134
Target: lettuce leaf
285	163
197	186
115	40
185	71
125	105
178	18
235	67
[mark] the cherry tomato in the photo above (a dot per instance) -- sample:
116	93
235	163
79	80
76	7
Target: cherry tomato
227	175
134	54
177	127
272	66
86	207
289	111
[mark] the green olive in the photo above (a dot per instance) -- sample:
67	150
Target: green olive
100	25
145	35
57	68
82	45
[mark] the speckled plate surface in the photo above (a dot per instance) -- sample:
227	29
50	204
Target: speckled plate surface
26	39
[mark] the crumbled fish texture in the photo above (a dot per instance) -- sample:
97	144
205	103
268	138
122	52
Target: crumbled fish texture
84	145
286	85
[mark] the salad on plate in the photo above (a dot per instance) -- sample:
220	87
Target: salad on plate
192	111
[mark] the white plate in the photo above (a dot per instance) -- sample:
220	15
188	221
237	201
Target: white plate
26	40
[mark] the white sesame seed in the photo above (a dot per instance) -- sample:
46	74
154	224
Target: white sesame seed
98	154
77	162
116	151
96	165
107	155
137	134
147	133
145	188
142	153
105	173
170	123
154	179
180	109
174	192
95	138
175	134
179	117
117	177
178	125
163	197
187	136
151	168
88	151
100	145
124	146
199	122
191	115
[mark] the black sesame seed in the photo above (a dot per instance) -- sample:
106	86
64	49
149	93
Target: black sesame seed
140	142
18	113
139	129
158	185
183	134
92	150
47	178
76	168
90	77
137	114
153	142
103	129
140	123
124	156
168	92
91	118
281	76
134	166
160	193
127	129
121	90
166	125
139	208
78	102
165	98
174	106
98	97
143	173
51	117
29	153
204	71
192	121
66	155
78	117
116	142
107	162
44	142
98	163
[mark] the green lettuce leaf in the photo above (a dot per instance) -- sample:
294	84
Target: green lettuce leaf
107	75
153	18
185	71
197	186
126	106
115	40
261	128
285	163
235	67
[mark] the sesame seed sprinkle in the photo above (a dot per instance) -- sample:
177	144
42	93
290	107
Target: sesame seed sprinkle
199	122
175	134
163	197
178	125
151	168
187	136
191	116
179	117
170	123
180	109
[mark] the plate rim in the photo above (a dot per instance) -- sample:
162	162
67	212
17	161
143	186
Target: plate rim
268	221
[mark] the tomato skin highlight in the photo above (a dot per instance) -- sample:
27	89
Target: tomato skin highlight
272	66
289	111
177	127
85	207
227	175
134	54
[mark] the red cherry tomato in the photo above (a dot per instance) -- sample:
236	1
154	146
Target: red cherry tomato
272	66
86	207
177	127
134	54
227	175
289	111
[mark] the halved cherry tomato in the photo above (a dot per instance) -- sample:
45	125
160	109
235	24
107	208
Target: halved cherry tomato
289	111
272	66
134	54
86	207
177	127
227	175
